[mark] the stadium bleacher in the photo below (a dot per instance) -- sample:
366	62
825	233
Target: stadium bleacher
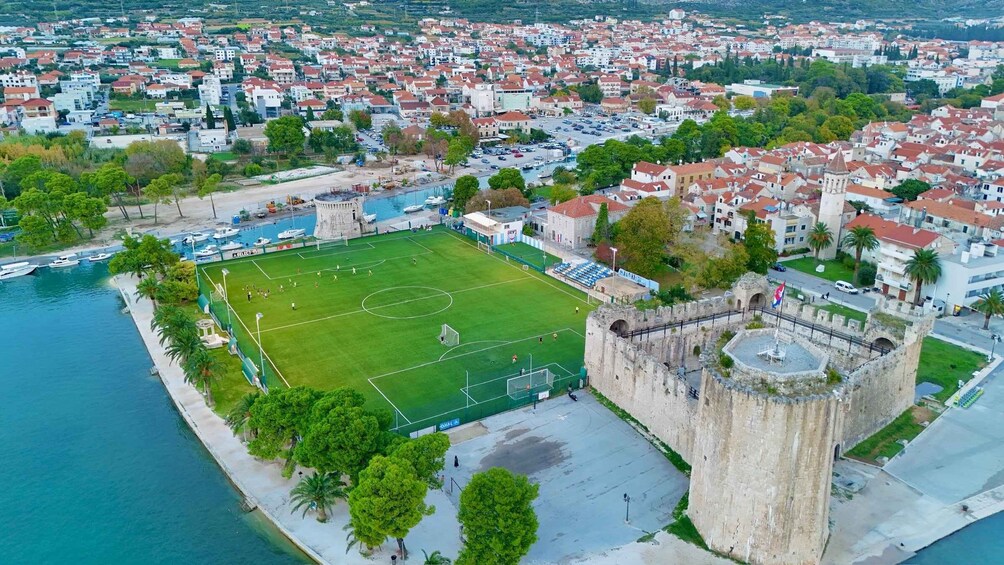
969	397
586	274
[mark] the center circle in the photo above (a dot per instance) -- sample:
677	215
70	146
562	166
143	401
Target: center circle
407	302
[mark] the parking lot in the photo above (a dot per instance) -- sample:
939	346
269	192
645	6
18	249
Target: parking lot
580	131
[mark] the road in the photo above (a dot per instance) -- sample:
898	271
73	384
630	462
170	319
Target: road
967	329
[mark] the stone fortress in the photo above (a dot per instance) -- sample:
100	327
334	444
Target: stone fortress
339	214
761	424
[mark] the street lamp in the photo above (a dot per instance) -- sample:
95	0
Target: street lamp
261	351
996	338
614	249
489	219
627	509
226	299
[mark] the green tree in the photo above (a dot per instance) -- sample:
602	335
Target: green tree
341	435
601	232
238	416
910	189
333	114
18	170
242	147
320	492
361	120
923	268
647	105
436	558
861	238
562	193
210	118
507	178
201	368
147	287
279	419
89	210
388	501
841	126
758	239
207	187
228	119
285	135
496	511
464	189
144	254
147	160
161	191
641	237
744	102
426	455
590	93
456	153
820	238
499	198
990	304
111	181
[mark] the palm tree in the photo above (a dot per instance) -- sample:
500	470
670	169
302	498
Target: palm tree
183	343
860	238
147	288
167	320
990	304
202	368
239	415
319	491
436	558
923	267
820	238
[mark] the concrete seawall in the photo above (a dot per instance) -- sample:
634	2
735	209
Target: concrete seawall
260	482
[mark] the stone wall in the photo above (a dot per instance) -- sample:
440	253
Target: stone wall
760	485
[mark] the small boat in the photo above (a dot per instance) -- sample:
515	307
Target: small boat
100	257
369	218
413	209
196	237
262	241
14	270
207	251
527	167
435	201
65	261
231	246
226	233
292	233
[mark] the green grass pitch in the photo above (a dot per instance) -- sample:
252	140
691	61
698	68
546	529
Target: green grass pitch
378	330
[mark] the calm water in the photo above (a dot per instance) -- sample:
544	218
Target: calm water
978	544
96	466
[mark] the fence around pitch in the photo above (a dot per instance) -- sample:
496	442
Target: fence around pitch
241	340
481	410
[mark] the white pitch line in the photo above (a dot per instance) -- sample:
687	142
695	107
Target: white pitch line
350	265
260	269
252	336
452	349
316	253
386	306
389	402
471	398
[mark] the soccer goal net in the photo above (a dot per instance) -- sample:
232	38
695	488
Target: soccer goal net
449	336
340	240
534	382
484	247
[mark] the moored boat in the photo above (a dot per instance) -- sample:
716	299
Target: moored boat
207	251
413	209
435	201
196	237
262	241
230	246
69	260
292	233
14	270
369	218
226	233
100	257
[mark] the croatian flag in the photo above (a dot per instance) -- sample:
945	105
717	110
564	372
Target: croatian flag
778	296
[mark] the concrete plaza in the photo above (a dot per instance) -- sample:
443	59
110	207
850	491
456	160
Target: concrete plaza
585	459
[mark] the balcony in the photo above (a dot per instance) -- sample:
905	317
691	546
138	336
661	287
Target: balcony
892	267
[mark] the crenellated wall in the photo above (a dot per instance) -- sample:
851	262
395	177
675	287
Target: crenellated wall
762	457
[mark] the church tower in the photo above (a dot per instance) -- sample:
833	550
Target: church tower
831	206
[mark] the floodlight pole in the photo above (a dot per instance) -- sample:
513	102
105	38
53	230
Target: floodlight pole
467	393
191	240
261	350
614	263
226	298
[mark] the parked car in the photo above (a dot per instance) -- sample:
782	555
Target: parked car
846	287
779	267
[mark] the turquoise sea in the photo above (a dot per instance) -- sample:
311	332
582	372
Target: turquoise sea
96	466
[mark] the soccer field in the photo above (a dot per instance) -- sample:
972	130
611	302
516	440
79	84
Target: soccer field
378	329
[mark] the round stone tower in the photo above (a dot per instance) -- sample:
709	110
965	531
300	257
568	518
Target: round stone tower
768	423
339	214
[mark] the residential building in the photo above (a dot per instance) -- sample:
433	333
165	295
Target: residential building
571	223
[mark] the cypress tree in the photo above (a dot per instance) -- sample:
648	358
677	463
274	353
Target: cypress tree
210	119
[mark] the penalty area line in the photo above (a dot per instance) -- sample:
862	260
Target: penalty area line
389	402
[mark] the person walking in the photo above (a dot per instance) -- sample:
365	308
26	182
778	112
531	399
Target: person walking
249	296
456	462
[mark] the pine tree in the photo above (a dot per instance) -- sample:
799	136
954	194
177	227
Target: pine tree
210	119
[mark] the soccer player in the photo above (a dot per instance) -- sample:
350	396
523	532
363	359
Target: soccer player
554	336
293	305
514	359
353	270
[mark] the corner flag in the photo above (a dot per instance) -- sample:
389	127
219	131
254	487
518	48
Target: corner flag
778	296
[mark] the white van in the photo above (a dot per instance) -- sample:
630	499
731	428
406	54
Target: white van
846	287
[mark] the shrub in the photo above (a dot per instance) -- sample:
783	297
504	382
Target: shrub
252	169
866	276
697	350
725	361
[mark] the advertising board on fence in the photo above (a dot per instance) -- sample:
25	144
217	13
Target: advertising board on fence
238	253
649	284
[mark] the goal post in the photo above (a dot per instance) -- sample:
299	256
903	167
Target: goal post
534	382
449	336
487	248
339	240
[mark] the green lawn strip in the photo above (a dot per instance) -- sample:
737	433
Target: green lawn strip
224	156
945	364
849	313
834	271
883	443
171	64
385	326
131	106
529	254
230	385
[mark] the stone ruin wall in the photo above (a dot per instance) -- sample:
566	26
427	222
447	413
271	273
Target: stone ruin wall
762	467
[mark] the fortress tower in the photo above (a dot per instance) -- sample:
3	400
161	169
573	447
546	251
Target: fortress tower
831	207
339	214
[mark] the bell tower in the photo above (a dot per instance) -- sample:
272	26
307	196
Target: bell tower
831	206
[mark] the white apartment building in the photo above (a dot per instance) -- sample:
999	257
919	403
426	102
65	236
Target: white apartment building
18	79
225	53
210	91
